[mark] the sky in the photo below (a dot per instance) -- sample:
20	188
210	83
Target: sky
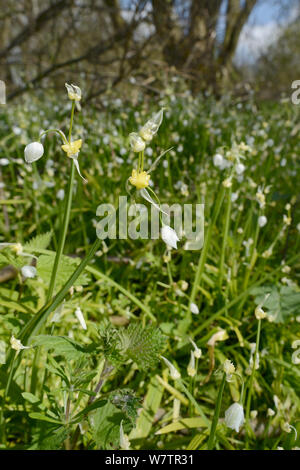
263	27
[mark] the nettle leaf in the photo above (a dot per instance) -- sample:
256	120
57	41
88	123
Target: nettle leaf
66	268
40	242
61	345
105	423
142	345
282	303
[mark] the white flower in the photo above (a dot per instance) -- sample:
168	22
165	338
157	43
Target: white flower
191	369
194	308
197	351
262	220
60	194
28	271
136	142
4	161
124	439
80	317
234	197
33	152
74	92
240	168
169	236
16	344
270	412
218	160
234	416
175	374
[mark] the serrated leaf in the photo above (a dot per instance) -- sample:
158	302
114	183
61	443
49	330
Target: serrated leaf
61	345
282	303
141	345
66	268
40	242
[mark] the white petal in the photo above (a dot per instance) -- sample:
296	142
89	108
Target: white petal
28	271
80	318
33	152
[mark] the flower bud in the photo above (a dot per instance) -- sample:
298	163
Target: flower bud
191	369
234	416
194	308
136	142
33	152
262	220
175	374
80	317
74	92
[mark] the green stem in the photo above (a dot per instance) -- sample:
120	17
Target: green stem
210	443
225	236
203	256
67	211
252	376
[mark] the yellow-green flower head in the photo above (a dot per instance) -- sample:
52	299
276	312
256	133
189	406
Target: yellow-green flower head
136	142
72	148
74	92
139	180
151	127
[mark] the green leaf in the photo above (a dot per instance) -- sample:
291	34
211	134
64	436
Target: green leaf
40	242
142	345
30	397
61	345
151	404
41	417
106	426
65	270
282	303
186	423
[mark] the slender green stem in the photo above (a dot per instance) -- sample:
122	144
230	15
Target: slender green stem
248	406
67	211
211	439
225	236
207	239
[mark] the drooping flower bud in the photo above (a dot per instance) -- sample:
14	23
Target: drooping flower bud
234	416
33	152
